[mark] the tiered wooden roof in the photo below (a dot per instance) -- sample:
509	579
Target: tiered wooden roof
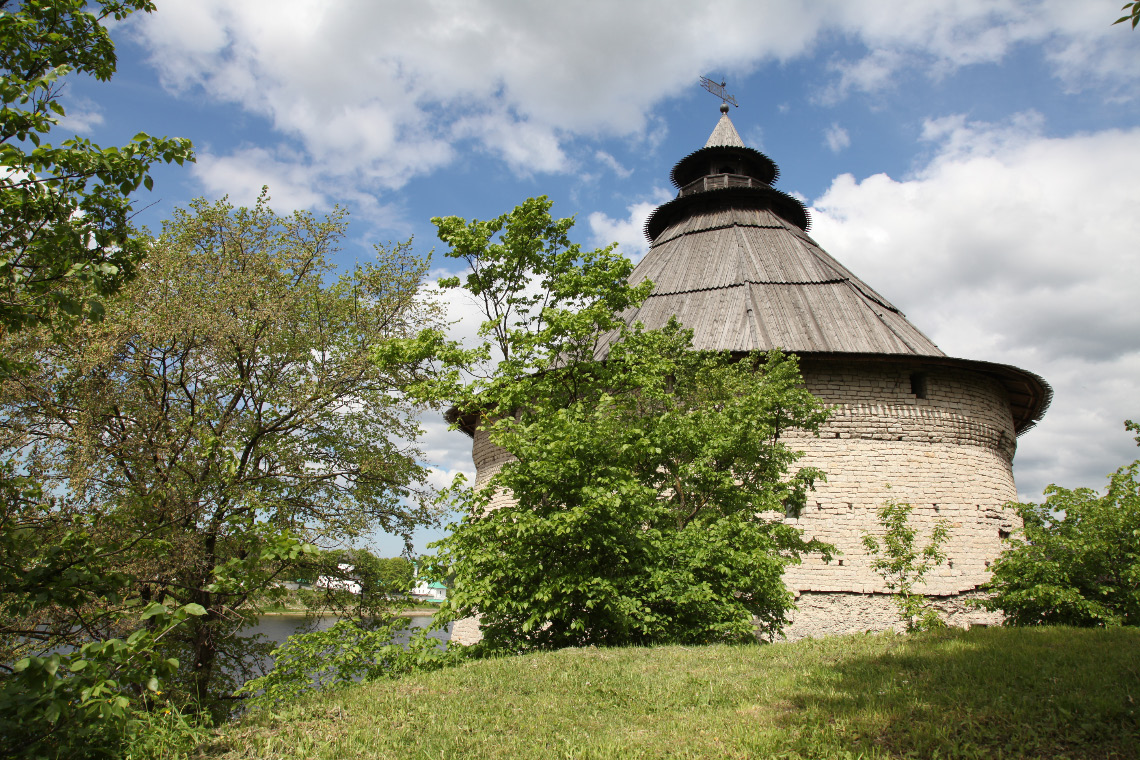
731	258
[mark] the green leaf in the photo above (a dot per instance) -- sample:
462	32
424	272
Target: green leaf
153	609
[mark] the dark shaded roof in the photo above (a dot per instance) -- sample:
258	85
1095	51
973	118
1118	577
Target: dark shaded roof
695	165
683	206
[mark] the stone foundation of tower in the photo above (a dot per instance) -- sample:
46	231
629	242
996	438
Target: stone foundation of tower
938	438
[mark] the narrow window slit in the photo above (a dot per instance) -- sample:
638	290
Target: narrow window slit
918	384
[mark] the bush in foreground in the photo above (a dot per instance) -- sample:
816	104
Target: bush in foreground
1078	562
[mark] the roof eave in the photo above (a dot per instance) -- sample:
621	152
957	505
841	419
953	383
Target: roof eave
1029	393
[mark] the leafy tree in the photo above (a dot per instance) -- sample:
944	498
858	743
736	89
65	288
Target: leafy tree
66	243
1078	560
65	209
43	712
395	574
386	578
638	480
903	566
226	413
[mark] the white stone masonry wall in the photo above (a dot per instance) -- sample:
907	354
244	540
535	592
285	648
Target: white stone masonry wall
949	455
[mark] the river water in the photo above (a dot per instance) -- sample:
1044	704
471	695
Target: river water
277	628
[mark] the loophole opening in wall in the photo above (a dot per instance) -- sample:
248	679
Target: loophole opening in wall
918	384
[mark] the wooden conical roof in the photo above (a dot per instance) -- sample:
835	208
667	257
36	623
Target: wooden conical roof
745	279
730	256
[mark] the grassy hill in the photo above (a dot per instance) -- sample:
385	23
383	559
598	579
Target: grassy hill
992	693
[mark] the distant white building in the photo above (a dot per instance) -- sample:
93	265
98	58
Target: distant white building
433	591
339	584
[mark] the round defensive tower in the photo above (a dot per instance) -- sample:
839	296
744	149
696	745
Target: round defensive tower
730	256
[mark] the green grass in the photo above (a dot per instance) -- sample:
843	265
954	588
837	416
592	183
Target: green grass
984	693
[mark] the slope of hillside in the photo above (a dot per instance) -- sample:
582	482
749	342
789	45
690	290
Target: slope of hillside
1050	692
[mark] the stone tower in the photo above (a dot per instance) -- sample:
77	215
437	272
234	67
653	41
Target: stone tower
731	257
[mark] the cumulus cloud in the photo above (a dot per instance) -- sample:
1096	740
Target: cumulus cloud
379	91
1079	42
628	233
1014	247
241	175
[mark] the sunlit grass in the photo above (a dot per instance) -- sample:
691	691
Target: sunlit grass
981	693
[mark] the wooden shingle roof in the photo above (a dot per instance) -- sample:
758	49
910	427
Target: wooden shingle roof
745	279
731	258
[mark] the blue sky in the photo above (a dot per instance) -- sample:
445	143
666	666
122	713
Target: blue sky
976	161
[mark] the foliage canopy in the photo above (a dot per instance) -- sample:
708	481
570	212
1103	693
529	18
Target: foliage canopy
226	415
640	468
1078	560
65	209
1132	16
66	243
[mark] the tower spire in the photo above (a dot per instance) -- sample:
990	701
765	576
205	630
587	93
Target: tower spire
724	135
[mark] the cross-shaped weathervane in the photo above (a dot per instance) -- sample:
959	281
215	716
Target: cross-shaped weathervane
717	88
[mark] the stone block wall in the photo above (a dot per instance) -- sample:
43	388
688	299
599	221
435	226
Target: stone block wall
837	613
948	455
938	438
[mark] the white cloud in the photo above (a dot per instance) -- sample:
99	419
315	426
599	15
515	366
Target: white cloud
1079	40
82	115
628	233
1013	247
612	164
292	184
379	91
872	73
525	146
836	138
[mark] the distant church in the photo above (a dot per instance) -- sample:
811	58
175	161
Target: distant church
731	258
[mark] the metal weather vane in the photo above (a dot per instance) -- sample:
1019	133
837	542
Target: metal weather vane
717	88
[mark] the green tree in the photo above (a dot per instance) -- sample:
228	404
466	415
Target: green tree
226	413
66	243
386	578
638	481
396	574
1077	562
903	566
65	209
